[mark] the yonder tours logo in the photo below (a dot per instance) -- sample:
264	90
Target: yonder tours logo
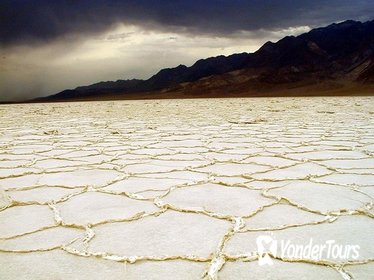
268	246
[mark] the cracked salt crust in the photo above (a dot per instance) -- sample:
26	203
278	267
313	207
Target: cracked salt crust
180	189
279	270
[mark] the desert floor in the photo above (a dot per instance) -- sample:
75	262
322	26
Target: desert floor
182	189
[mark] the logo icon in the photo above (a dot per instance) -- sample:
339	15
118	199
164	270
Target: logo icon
263	242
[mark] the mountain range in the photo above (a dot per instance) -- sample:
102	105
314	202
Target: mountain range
333	60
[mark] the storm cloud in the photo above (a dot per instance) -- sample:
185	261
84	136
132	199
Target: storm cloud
47	46
44	20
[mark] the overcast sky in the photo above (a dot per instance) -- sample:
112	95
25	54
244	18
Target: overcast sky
47	46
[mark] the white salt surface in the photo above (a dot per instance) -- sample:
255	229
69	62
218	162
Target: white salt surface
181	189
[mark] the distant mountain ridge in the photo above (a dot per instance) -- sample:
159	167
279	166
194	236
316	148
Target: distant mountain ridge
338	54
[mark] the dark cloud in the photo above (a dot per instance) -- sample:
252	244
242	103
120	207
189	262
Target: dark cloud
25	21
49	45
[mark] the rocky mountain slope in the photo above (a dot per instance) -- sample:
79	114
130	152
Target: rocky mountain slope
336	58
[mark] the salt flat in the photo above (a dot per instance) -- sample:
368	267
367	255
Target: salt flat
181	189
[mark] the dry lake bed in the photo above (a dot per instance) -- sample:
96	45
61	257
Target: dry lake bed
257	188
